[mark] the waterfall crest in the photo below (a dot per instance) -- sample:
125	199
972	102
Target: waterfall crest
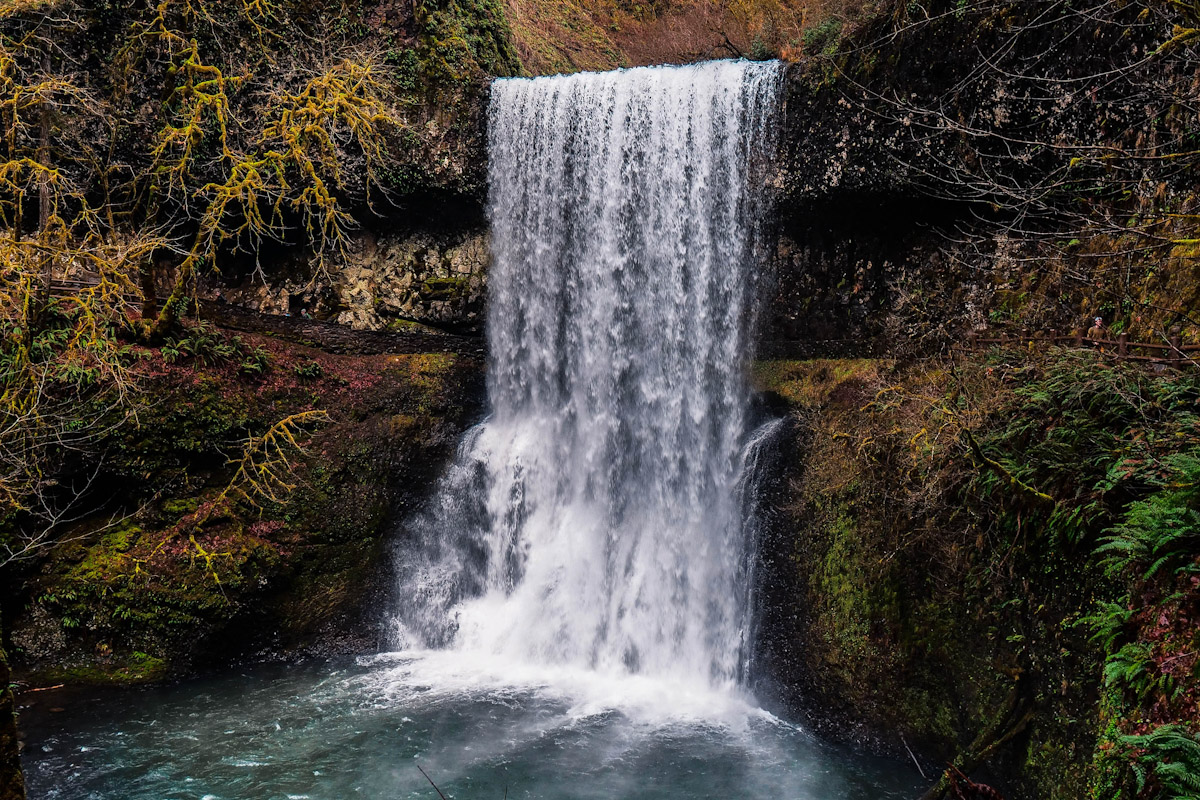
598	517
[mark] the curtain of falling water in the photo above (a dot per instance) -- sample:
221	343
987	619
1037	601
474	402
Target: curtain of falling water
597	519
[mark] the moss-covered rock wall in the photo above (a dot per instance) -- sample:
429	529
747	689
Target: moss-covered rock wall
191	563
935	567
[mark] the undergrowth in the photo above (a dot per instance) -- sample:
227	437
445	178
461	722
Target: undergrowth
1030	599
1118	448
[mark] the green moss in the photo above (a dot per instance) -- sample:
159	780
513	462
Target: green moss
408	326
444	288
139	588
812	382
461	39
133	668
180	424
122	538
144	586
849	605
929	592
178	507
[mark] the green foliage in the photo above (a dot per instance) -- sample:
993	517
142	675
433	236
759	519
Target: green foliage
954	606
1152	544
1165	763
200	342
1132	669
1090	433
760	50
1163	530
255	362
208	346
256	119
1108	626
823	38
309	370
182	427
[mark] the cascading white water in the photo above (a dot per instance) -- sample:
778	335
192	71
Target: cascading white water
597	519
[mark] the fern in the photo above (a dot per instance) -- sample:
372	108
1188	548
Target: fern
1108	625
202	343
1170	756
1162	530
1128	667
1133	668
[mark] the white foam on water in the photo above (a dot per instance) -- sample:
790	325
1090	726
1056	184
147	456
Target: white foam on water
418	678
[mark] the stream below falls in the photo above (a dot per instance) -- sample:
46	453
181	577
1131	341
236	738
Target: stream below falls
360	728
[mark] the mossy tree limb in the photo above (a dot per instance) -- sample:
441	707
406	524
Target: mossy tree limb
1006	474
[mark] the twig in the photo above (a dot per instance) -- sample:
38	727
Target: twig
43	689
436	789
913	757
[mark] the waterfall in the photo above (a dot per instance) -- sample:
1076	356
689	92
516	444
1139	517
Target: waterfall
598	518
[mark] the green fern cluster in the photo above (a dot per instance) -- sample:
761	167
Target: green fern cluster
1118	448
1162	531
1165	762
1156	542
1133	669
202	343
207	345
1092	435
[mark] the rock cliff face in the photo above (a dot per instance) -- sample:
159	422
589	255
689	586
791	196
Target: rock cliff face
868	275
388	280
424	277
1004	165
861	251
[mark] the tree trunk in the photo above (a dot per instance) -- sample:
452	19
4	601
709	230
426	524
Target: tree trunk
12	782
149	290
174	306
